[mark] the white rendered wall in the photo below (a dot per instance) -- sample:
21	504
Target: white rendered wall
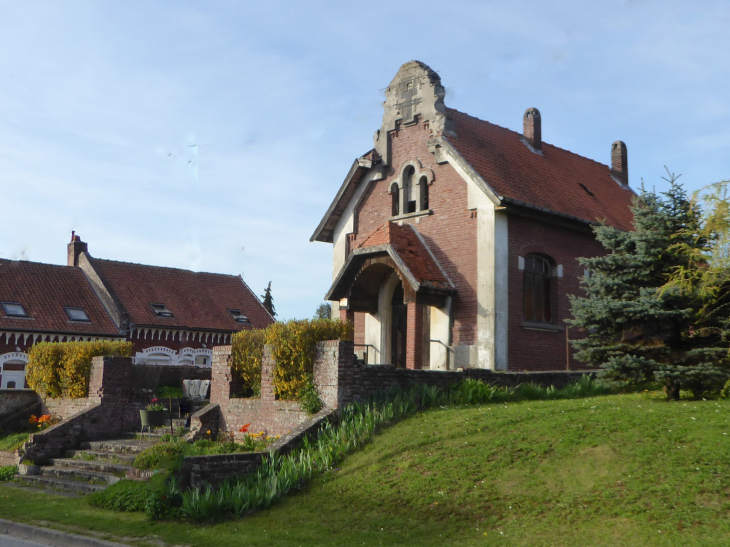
345	226
441	331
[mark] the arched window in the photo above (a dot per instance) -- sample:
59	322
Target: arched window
537	289
424	193
409	201
395	199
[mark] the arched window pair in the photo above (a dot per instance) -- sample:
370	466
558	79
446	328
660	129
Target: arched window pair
410	193
537	288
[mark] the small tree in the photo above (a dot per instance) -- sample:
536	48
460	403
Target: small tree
268	301
324	311
646	318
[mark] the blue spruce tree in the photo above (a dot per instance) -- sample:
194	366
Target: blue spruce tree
646	315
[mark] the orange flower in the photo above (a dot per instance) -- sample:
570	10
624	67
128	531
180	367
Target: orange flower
33	419
244	428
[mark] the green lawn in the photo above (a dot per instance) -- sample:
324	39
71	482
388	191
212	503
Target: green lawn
612	470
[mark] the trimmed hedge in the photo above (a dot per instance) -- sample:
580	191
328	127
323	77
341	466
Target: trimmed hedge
293	344
62	369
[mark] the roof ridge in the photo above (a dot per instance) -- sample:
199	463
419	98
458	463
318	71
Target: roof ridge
162	267
522	136
11	261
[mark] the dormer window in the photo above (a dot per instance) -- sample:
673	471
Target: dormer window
161	310
77	314
13	309
239	317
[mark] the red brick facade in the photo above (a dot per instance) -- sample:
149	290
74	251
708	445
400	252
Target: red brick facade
495	201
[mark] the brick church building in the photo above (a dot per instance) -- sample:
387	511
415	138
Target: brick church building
172	316
455	241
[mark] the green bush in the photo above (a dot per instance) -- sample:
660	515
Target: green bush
124	495
62	369
7	472
170	392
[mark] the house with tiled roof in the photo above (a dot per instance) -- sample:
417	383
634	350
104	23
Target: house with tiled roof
172	316
455	241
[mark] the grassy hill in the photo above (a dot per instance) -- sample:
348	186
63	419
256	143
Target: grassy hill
610	470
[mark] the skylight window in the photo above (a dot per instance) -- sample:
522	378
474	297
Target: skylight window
161	310
239	317
77	314
13	309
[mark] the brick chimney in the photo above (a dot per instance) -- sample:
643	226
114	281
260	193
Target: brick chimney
74	249
532	129
620	162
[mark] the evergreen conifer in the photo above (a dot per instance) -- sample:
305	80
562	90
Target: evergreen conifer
644	317
268	301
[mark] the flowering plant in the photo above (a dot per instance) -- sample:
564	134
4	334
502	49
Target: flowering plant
244	428
44	422
155	405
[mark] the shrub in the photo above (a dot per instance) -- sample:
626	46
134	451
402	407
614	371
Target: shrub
7	472
62	369
124	495
292	346
247	349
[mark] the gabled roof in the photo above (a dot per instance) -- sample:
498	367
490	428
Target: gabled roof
556	180
197	300
413	251
391	247
44	290
326	228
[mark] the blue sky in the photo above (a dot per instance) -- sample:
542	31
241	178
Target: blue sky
213	135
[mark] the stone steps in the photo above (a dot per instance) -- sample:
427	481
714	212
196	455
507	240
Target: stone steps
101	455
99	466
81	475
92	467
55	483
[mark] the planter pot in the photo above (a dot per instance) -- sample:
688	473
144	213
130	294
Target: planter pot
152	418
28	469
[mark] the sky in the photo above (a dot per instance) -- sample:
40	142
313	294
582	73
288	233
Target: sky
213	136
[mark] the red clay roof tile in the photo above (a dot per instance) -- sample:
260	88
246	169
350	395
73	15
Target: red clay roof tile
44	290
411	250
197	300
558	180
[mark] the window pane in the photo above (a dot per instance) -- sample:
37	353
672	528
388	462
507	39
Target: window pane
14	309
538	298
546	299
77	314
529	311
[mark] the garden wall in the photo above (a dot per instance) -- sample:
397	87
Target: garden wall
341	380
196	470
16	406
106	412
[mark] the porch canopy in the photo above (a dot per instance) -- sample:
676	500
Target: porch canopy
391	248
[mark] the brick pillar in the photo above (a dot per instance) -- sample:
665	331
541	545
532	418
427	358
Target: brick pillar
221	376
414	336
110	380
267	376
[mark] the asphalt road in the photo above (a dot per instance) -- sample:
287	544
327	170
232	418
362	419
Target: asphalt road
10	541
